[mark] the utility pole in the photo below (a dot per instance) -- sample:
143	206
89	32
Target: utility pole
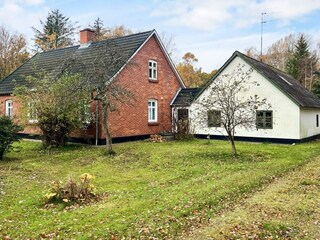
262	22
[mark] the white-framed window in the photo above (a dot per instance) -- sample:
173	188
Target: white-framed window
152	111
9	108
32	113
153	70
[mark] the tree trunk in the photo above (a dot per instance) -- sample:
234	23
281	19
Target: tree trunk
105	115
233	145
234	150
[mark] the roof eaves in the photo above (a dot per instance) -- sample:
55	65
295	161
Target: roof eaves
37	54
175	96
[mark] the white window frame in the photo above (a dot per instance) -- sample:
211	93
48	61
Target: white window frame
152	110
32	113
9	108
153	70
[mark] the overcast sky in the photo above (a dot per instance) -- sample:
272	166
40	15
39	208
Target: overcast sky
211	29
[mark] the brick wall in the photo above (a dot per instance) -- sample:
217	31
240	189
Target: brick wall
132	119
28	128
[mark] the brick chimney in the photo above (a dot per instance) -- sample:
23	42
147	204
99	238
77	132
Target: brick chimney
86	36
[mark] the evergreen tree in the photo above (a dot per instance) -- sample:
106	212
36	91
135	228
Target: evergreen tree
302	64
316	85
99	29
57	32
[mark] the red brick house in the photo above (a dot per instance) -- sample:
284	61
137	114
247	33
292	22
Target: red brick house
154	79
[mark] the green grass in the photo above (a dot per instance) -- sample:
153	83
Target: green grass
288	208
158	190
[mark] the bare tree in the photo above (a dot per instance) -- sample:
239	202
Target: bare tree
12	51
102	72
227	104
169	44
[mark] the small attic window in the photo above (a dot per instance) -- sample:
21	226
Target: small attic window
285	80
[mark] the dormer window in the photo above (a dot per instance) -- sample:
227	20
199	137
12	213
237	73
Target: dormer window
153	72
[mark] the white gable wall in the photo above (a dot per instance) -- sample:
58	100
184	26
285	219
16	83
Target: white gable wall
308	121
286	113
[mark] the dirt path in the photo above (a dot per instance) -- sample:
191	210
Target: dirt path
288	208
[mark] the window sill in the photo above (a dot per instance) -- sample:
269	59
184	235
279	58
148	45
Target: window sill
153	123
153	80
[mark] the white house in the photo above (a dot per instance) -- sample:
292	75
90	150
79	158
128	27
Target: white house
292	115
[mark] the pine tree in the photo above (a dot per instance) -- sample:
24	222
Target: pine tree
57	32
99	29
302	64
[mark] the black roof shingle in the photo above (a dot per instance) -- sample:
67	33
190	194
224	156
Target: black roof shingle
50	60
286	83
185	96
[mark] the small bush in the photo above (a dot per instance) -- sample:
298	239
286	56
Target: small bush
72	191
8	134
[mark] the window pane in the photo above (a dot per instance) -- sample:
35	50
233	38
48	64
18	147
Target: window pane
152	110
214	118
183	114
264	120
153	70
9	108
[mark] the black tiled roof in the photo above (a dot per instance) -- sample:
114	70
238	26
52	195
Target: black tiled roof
285	83
51	60
185	96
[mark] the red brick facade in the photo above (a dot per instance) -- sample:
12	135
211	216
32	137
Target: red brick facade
132	119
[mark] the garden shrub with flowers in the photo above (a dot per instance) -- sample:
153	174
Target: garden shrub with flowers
72	191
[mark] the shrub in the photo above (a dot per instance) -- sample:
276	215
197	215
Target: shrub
183	130
8	134
72	191
59	105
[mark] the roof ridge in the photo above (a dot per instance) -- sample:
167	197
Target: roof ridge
119	37
105	40
266	64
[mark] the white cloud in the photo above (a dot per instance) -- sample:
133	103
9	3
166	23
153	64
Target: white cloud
208	15
20	15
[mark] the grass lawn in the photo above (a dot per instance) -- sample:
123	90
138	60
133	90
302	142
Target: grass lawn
288	208
159	190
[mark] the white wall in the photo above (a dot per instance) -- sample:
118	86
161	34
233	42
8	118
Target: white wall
286	113
308	126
